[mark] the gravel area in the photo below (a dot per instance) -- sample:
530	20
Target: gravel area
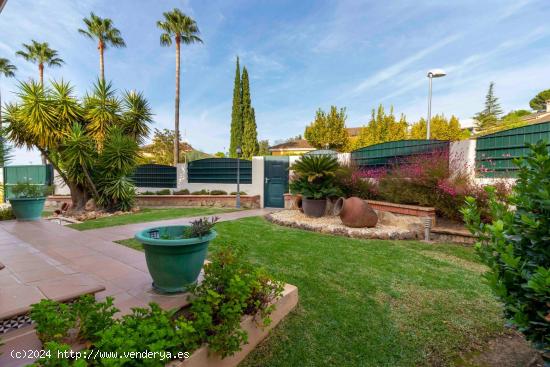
403	228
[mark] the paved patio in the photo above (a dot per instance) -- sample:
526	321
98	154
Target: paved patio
46	260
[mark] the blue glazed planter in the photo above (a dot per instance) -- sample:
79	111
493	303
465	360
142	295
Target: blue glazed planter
28	209
173	263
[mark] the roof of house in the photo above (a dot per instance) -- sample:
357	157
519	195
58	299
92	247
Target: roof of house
353	131
300	144
537	117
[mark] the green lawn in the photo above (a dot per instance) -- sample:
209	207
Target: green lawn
368	303
147	215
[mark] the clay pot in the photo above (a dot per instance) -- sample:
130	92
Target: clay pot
313	207
355	212
298	203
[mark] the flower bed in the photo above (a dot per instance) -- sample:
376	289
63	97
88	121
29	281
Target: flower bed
390	226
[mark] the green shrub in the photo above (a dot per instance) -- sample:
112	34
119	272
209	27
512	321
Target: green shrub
147	193
240	192
6	214
164	192
314	177
28	190
147	329
54	356
181	192
200	227
53	320
218	192
515	246
231	289
350	181
201	192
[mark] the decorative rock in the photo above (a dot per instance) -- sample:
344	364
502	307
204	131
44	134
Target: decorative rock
90	206
356	213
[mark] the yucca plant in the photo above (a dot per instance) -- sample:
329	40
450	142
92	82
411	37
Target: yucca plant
92	143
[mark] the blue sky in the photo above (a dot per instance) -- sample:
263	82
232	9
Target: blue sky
301	55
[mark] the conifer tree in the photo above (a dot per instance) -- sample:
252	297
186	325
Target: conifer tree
236	114
490	115
250	136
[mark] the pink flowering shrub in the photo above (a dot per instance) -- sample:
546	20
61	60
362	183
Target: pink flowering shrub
427	180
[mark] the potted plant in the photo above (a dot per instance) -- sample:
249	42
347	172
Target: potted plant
27	201
314	180
175	254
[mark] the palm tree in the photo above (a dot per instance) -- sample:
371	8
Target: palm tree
41	54
182	29
6	69
102	29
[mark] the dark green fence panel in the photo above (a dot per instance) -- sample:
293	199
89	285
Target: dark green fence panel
155	175
383	154
495	152
34	174
219	170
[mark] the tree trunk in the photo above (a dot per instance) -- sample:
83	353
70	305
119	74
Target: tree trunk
177	108
41	72
101	61
79	197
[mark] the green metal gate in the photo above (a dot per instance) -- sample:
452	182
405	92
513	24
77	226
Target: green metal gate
276	180
495	152
34	174
383	154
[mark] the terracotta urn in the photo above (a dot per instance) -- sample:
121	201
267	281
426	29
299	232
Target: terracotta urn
355	212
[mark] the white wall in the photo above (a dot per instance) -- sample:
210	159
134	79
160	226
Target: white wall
462	156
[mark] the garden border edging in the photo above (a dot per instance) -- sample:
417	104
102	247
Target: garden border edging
201	358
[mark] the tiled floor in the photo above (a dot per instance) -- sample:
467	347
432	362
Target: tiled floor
46	260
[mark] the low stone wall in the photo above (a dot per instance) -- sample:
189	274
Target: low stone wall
219	201
382	206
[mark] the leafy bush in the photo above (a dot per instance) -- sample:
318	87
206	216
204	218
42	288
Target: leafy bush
201	192
147	329
218	192
163	192
240	192
427	180
147	193
28	190
53	320
515	246
6	214
231	289
352	182
314	177
181	192
54	356
200	227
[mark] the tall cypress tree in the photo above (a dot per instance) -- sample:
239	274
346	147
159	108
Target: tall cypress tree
490	115
249	137
236	114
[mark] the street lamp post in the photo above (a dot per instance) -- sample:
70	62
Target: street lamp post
435	73
239	152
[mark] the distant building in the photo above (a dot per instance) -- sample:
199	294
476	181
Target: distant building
539	116
292	147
